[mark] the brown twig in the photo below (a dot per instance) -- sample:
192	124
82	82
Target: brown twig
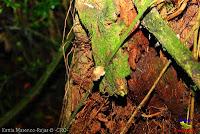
66	99
196	36
192	109
154	114
195	55
146	98
180	9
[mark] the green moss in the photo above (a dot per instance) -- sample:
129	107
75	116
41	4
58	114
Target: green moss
105	32
165	35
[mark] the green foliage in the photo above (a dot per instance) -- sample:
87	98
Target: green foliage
26	27
12	4
35	12
41	9
1	10
185	125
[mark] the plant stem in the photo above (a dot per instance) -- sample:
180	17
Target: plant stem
166	36
146	98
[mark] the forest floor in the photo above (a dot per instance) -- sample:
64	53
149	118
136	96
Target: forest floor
167	106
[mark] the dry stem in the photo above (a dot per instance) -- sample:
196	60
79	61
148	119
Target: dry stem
146	98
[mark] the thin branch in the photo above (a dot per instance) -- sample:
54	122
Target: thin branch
166	36
146	98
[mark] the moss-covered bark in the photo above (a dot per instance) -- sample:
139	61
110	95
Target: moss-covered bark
100	19
165	35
